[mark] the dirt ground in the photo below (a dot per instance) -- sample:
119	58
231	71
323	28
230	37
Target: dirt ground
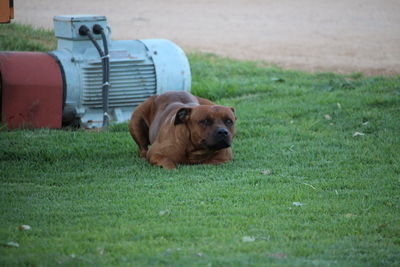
315	35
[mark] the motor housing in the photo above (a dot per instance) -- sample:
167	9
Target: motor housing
138	69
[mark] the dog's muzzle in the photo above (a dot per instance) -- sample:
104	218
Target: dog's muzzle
221	140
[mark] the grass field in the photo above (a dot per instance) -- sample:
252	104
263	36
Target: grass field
315	179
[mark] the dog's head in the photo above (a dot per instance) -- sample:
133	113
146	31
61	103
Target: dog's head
210	126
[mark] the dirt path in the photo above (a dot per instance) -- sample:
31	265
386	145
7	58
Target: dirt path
315	35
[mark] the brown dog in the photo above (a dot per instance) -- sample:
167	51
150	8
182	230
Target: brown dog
182	128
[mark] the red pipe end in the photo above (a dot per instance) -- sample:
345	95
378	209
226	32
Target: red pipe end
31	90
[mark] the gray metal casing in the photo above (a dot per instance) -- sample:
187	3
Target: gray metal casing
138	69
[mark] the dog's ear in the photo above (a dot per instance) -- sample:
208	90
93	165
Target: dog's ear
233	110
182	115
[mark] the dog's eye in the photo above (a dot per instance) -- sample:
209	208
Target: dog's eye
228	122
206	122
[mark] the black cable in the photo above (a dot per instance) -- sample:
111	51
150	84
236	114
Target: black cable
97	29
84	30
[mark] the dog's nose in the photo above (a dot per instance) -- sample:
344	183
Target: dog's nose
222	132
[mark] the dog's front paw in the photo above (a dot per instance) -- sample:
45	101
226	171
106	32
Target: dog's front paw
168	164
161	160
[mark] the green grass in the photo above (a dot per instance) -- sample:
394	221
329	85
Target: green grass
15	37
91	201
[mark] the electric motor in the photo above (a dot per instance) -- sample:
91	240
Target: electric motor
137	70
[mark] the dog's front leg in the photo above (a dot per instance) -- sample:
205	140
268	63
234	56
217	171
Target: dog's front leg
159	159
220	157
